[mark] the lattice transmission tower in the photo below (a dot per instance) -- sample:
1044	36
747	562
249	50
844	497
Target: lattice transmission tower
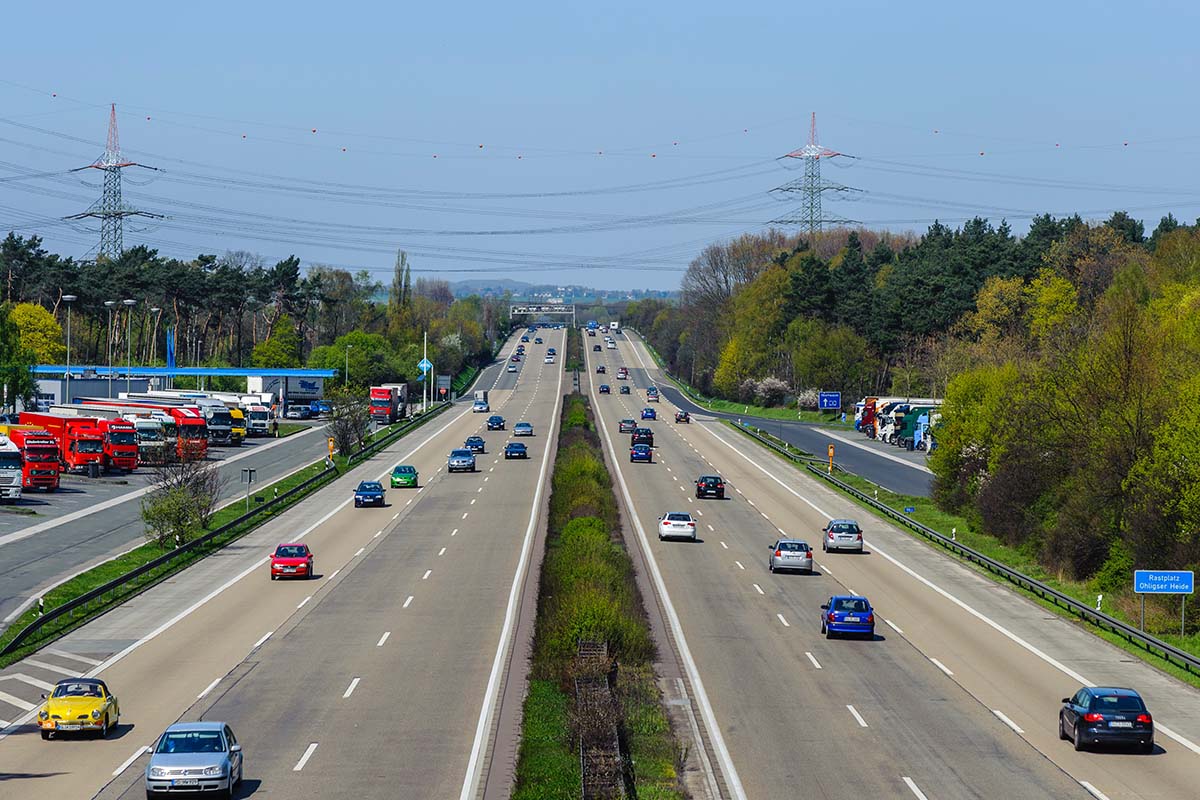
110	209
811	187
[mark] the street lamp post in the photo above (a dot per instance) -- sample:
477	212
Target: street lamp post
109	304
129	304
156	311
69	299
346	374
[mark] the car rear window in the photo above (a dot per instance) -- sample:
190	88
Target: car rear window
678	517
851	604
843	527
793	547
1117	703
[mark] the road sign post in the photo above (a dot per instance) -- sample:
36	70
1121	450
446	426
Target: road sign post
831	458
248	477
1165	581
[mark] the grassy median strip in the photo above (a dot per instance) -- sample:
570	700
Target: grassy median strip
110	570
588	593
1124	607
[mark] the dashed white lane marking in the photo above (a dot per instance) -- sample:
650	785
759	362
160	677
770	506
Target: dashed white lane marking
486	478
304	758
724	545
428	572
1093	791
689	499
480	489
758	588
454	532
941	666
208	689
350	689
396	515
827	572
408	601
442	552
701	513
333	574
892	625
409	503
862	723
710	527
304	602
464	516
784	621
377	534
782	532
360	552
262	641
127	762
740	565
383	638
816	664
473	501
916	790
1004	718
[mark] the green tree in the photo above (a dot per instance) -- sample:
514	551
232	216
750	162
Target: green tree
40	332
281	349
16	361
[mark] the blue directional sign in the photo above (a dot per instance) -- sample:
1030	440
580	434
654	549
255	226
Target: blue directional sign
1163	581
425	365
829	401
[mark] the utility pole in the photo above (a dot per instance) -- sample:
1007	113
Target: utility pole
110	209
346	374
811	186
129	304
109	304
425	375
69	299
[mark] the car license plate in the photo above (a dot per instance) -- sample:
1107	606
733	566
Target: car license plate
68	727
289	569
851	619
1120	724
185	782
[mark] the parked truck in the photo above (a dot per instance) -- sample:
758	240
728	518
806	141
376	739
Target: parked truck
287	391
258	420
120	445
217	419
39	453
386	404
11	465
79	440
186	426
151	442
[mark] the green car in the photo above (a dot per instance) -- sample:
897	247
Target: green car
404	475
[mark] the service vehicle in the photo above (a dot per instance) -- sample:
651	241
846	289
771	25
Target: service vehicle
676	525
626	426
649	413
624	389
200	757
849	614
495	423
475	444
460	461
293	560
258	420
120	444
404	476
710	486
605	389
682	416
842	534
523	429
516	450
40	457
642	436
641	452
369	493
185	425
615	327
1098	715
79	705
790	554
217	419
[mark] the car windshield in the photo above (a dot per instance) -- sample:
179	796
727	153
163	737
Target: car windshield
78	689
259	415
191	742
641	448
475	440
852	604
290	551
461	454
1116	703
222	418
368	486
193	432
515	446
403	471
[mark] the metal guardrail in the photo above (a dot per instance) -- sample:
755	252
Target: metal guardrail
143	573
1168	652
757	433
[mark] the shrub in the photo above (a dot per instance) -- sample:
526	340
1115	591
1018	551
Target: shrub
771	391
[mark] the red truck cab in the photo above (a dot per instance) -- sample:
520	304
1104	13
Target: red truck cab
79	439
120	444
39	449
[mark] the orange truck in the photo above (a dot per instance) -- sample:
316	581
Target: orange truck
40	452
80	441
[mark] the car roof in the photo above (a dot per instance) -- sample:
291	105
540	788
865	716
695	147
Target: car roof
474	436
843	521
1118	691
462	451
82	680
368	483
787	540
516	444
849	597
199	725
525	423
403	468
290	544
710	477
642	445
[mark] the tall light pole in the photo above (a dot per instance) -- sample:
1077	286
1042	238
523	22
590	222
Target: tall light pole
157	312
129	304
69	299
109	304
346	374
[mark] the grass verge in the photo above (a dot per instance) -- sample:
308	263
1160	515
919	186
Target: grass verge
587	592
1124	607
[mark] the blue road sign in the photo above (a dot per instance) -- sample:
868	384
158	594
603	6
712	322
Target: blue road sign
425	365
1163	581
909	509
829	401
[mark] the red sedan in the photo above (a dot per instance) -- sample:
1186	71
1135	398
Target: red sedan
292	561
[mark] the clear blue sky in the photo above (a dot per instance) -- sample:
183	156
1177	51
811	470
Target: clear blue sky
568	99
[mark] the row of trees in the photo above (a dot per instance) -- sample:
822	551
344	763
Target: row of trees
236	310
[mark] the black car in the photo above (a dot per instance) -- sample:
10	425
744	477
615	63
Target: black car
624	390
595	348
710	486
605	389
495	423
474	444
538	340
515	450
1097	715
682	416
642	436
601	369
369	493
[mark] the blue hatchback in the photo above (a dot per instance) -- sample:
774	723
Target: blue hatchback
848	614
649	413
641	452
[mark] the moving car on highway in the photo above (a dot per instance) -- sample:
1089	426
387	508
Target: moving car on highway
368	493
682	416
524	338
649	413
642	436
641	452
475	444
595	348
851	614
605	389
626	426
624	389
676	525
495	423
622	373
790	554
515	450
652	395
523	429
548	360
842	534
710	486
292	560
404	476
480	407
537	340
460	461
1099	715
78	705
201	757
511	368
601	369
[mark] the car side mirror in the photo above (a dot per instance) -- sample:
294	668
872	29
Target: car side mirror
235	748
824	606
1065	700
44	695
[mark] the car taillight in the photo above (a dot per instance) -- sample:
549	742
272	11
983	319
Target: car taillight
1145	719
870	619
831	534
860	536
1093	716
778	554
720	486
691	524
831	618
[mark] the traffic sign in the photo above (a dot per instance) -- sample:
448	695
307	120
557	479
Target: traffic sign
425	365
829	401
1163	581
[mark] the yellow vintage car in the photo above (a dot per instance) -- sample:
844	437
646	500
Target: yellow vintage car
79	705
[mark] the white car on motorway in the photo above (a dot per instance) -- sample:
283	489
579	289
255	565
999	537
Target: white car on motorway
676	525
480	407
842	534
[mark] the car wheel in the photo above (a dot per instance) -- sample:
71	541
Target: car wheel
824	549
770	566
45	736
104	728
1079	743
312	570
1147	747
660	537
1062	730
274	576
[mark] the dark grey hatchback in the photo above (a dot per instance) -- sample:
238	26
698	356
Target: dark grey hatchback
1099	715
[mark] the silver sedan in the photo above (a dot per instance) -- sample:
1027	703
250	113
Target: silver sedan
842	534
790	554
195	757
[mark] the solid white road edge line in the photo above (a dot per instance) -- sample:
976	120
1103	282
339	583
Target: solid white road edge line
941	666
1093	791
816	664
127	762
304	758
862	723
892	625
916	789
1004	718
475	762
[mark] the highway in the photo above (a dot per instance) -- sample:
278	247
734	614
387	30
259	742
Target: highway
378	678
89	521
957	696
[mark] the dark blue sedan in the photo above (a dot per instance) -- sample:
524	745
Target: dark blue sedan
475	444
850	614
1097	715
641	452
649	413
516	450
368	493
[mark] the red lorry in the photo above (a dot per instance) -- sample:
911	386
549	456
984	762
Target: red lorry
120	444
39	449
79	440
191	431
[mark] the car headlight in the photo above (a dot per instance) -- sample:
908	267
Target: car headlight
158	772
43	714
213	770
95	713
